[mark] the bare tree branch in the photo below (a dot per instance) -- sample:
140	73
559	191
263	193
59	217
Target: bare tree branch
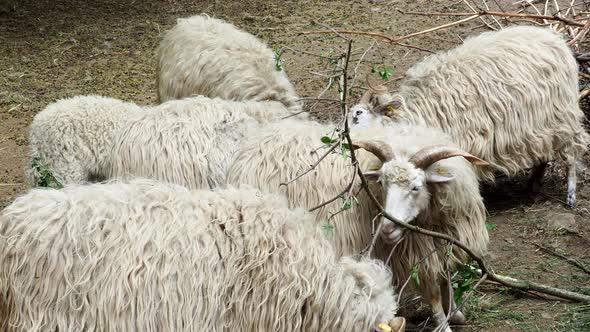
569	260
312	167
502	14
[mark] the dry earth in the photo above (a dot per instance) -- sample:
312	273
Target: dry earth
58	48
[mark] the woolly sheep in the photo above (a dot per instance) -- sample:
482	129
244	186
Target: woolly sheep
189	142
363	113
147	256
208	56
72	137
420	184
509	97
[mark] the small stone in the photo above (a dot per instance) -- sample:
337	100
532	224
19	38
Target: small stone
546	315
561	222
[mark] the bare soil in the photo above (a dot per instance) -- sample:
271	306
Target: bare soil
51	49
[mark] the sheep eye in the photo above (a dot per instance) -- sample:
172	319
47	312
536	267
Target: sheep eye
416	189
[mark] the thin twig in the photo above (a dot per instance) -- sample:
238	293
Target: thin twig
581	34
415	48
401	291
493	17
360	61
480	18
14	107
308	53
391	39
569	260
501	14
312	167
336	32
319	99
347	189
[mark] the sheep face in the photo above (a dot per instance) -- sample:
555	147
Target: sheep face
360	115
406	181
372	298
406	192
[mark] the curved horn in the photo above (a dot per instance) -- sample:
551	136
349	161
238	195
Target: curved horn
379	89
429	155
379	148
366	97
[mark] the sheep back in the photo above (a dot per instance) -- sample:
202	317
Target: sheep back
509	97
72	136
147	256
207	56
190	142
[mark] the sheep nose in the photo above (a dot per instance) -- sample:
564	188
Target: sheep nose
388	228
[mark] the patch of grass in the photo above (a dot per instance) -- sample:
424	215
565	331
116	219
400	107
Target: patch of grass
486	312
576	319
13	98
278	53
46	178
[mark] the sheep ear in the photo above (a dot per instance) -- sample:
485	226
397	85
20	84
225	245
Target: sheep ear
391	107
438	174
398	324
372	175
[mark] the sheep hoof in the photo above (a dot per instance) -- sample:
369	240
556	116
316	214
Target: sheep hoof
458	319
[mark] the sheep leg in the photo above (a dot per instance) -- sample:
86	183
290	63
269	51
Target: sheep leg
536	178
571	184
438	312
457	318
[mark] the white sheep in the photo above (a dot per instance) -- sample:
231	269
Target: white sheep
420	185
509	97
208	56
190	142
73	136
147	256
363	113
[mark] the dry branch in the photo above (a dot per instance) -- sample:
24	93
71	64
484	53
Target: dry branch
312	167
567	259
391	39
502	14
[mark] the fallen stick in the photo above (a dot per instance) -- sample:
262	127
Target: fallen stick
391	39
501	14
567	259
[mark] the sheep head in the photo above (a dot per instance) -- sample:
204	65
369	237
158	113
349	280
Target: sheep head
369	107
372	296
405	182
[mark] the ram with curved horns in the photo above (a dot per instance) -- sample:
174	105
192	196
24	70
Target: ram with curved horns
431	186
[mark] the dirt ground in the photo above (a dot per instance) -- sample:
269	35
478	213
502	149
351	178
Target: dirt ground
51	49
